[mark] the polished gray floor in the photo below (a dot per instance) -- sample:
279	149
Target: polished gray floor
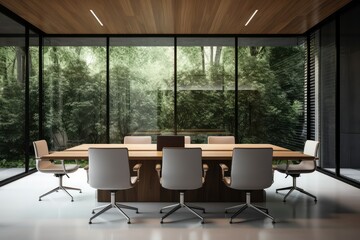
336	215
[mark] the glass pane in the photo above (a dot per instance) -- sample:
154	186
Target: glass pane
141	87
74	91
271	91
205	87
34	93
327	84
12	97
349	94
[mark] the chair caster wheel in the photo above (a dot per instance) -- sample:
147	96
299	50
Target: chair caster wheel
128	222
161	222
202	222
273	222
72	200
231	222
137	211
161	211
80	191
226	211
93	212
39	199
90	222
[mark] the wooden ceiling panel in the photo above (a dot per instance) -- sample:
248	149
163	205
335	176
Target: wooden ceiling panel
174	16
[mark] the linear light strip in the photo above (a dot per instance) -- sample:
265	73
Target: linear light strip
251	17
96	17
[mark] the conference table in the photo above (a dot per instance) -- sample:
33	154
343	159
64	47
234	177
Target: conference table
148	189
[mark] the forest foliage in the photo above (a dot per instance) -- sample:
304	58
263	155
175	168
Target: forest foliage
142	100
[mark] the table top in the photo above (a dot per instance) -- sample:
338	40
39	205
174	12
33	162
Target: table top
151	155
152	147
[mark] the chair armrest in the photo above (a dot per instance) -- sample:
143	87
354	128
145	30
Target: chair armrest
136	169
224	169
158	170
205	169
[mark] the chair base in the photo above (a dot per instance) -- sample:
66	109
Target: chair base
61	187
246	205
179	205
294	187
112	204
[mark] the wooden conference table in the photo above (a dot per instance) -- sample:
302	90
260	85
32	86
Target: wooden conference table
148	189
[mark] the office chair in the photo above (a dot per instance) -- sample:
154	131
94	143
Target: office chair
109	170
251	169
295	170
181	170
221	140
59	170
137	140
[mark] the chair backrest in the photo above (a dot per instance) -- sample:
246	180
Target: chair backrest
221	140
169	141
311	148
251	168
41	149
137	140
109	168
181	168
187	140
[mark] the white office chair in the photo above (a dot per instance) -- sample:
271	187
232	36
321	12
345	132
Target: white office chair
109	170
59	170
251	169
181	170
221	140
137	140
187	140
294	170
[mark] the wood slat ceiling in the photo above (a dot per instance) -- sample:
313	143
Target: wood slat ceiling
174	16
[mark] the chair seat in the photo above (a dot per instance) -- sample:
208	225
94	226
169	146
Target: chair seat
227	181
58	168
133	180
203	181
294	168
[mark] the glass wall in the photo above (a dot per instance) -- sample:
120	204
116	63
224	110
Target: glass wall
12	97
271	91
141	87
349	57
205	87
327	53
74	82
33	93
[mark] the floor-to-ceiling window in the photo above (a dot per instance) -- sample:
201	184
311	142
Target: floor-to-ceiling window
74	83
271	91
349	101
12	97
34	93
205	87
141	87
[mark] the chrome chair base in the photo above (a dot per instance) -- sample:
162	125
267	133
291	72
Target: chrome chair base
112	204
246	205
61	187
179	205
294	187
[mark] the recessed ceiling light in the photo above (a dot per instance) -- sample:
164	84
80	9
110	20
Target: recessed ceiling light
251	17
96	17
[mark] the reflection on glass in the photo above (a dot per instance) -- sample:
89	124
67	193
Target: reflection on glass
271	92
74	92
141	87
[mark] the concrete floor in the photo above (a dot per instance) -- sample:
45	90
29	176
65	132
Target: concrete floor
336	215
